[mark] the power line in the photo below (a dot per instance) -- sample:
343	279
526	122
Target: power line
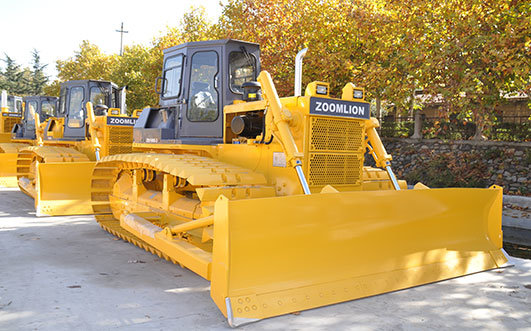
122	37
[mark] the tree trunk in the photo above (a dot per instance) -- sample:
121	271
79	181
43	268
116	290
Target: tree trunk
417	132
480	125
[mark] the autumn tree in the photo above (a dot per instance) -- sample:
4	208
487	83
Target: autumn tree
481	53
282	28
470	53
137	69
390	51
89	62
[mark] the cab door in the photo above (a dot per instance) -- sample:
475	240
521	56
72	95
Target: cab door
75	113
202	117
31	108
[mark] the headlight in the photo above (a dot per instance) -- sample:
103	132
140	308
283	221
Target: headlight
358	94
321	89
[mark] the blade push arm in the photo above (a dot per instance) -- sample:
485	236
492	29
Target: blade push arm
378	152
39	129
93	128
281	119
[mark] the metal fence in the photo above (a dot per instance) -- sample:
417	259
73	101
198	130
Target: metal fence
506	128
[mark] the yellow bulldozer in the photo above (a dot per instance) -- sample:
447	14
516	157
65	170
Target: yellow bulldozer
91	123
11	114
23	134
269	198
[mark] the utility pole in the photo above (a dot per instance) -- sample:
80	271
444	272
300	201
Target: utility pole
122	37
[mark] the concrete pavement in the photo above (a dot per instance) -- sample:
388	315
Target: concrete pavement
65	273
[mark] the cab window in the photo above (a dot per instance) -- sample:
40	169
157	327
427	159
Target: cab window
48	108
172	76
31	108
18	104
11	105
62	102
203	103
76	114
97	96
242	69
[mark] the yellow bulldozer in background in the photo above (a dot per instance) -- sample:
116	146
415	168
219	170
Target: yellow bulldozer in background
11	114
23	134
269	198
93	123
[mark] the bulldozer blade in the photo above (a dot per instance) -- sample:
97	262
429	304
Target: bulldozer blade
8	170
63	188
273	256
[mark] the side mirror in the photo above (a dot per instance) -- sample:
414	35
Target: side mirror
159	85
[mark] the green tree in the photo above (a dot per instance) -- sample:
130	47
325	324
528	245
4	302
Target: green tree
13	77
38	79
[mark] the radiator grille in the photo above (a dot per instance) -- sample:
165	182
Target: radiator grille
9	122
120	139
335	151
330	134
334	169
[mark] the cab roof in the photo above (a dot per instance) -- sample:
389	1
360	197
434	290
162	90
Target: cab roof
219	42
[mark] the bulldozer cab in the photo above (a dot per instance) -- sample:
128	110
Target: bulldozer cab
44	106
12	105
72	104
198	80
10	114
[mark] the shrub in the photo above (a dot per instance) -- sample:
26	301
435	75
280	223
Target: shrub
465	169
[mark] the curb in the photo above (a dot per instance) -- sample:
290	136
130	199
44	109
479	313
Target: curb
517	200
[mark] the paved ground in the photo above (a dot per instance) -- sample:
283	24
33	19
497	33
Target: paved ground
517	220
65	273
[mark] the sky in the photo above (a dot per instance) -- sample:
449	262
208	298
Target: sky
56	28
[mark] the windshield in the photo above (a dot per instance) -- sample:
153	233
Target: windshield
97	96
241	67
48	108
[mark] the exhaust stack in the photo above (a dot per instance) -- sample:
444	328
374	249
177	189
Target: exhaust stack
3	102
298	71
123	106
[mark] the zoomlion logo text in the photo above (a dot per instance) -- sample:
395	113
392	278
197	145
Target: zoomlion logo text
125	121
11	115
339	108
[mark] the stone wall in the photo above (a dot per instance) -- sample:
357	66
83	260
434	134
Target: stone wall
440	163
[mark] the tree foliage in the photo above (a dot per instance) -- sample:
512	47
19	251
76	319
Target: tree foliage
38	78
282	28
23	81
469	53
